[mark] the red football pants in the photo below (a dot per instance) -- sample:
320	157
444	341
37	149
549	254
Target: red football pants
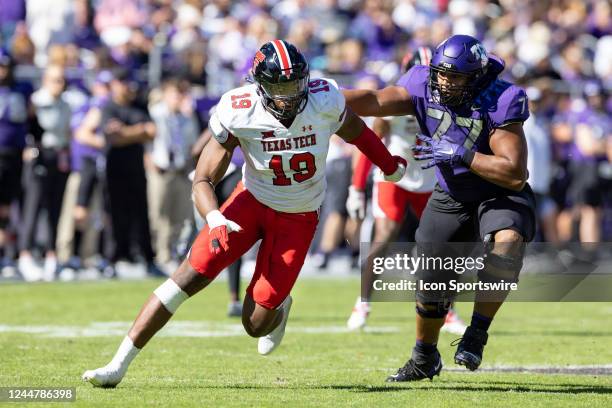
285	241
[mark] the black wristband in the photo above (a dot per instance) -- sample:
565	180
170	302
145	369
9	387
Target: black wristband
468	157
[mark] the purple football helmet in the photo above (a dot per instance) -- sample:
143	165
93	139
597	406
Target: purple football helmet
461	57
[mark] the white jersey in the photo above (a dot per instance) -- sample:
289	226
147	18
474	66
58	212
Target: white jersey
402	135
284	168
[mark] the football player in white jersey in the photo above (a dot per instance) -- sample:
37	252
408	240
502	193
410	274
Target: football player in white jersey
392	201
282	122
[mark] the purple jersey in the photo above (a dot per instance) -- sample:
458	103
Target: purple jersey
13	116
498	104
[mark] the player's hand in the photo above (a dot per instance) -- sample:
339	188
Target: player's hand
441	151
356	203
220	228
399	172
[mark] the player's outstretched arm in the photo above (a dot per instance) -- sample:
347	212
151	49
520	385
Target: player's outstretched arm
507	166
389	101
355	131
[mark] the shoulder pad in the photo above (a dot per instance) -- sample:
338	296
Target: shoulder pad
237	106
326	98
415	80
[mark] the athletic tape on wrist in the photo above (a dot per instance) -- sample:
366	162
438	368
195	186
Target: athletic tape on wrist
170	295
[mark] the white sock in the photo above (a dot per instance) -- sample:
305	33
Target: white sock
125	354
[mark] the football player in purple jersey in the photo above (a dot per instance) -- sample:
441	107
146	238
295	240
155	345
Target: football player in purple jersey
471	132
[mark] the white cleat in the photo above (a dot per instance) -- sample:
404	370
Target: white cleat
359	315
269	342
108	376
453	324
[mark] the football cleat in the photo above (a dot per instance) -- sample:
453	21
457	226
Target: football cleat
453	323
359	315
269	342
415	371
107	377
470	347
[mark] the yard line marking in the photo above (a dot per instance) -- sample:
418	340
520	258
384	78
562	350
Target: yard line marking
597	369
185	328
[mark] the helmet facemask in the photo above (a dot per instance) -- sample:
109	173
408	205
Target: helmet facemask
287	99
451	94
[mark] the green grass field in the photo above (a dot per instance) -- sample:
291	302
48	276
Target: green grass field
51	333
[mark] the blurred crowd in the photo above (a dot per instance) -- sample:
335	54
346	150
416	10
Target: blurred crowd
104	106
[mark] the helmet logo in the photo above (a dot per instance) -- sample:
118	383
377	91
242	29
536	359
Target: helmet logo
259	58
480	54
283	57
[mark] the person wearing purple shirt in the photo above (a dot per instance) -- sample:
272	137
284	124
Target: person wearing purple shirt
13	128
87	168
592	131
471	124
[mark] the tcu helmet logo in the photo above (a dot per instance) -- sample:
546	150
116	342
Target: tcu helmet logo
480	54
259	58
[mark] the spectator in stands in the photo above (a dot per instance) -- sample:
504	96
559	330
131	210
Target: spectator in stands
593	128
85	183
169	186
539	161
48	167
14	106
127	127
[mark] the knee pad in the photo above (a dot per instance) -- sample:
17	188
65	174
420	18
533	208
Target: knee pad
433	310
171	295
506	267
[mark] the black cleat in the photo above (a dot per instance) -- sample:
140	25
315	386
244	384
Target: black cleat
413	371
470	347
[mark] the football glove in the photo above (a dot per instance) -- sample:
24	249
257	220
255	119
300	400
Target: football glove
442	151
220	228
399	172
356	203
